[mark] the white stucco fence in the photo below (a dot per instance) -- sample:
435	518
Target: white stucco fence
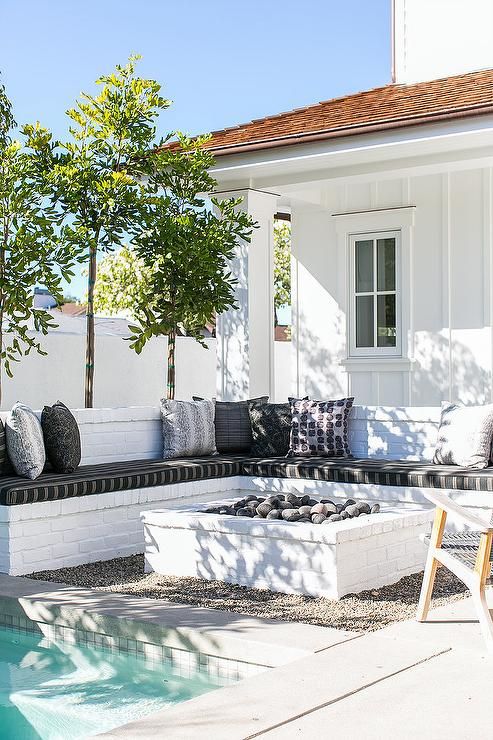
122	378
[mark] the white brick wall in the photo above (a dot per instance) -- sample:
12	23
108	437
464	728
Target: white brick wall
56	534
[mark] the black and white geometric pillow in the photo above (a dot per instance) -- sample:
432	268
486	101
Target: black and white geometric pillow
320	428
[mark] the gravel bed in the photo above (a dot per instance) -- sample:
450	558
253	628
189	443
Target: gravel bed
366	611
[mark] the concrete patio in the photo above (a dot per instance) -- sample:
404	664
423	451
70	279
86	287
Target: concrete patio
405	681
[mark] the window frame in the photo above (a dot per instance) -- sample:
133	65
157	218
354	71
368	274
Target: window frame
375	351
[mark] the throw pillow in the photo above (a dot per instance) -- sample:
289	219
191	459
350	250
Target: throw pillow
25	442
3	448
271	427
233	426
464	435
320	428
188	428
61	437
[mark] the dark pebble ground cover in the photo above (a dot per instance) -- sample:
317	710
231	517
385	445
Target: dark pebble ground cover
366	611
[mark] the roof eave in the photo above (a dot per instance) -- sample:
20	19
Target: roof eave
294	139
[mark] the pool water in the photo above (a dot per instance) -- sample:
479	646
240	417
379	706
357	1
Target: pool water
62	691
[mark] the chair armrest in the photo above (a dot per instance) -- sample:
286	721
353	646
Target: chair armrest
451	507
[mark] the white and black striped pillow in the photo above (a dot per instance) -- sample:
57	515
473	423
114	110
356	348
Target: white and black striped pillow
233	425
188	428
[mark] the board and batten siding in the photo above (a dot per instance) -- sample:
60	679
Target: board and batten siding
447	266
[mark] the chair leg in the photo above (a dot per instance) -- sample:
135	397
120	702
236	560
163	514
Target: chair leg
485	620
482	570
431	565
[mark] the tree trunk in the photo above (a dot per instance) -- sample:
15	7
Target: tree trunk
89	382
171	364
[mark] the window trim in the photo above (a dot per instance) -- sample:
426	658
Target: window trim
375	352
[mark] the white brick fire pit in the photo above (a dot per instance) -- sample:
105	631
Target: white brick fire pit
328	560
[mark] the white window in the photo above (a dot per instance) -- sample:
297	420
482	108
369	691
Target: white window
375	308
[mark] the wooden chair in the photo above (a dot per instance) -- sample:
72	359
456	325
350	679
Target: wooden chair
467	554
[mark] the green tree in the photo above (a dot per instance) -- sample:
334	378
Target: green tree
184	247
120	282
97	174
31	252
282	265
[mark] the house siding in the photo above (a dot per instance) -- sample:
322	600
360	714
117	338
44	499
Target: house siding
447	273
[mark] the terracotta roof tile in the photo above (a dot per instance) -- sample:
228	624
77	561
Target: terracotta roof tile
382	107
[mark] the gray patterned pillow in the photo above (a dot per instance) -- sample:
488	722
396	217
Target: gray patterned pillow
320	428
25	442
233	426
188	428
464	435
61	437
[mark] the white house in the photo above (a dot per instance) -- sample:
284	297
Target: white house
390	194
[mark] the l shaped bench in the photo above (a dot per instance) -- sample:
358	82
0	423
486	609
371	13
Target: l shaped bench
94	513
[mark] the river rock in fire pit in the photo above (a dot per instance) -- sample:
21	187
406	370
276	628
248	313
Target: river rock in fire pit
318	518
363	507
333	518
285	505
339	508
353	511
274	501
349	502
304	519
291	515
305	500
375	509
265	508
305	510
318	509
245	512
291	499
274	514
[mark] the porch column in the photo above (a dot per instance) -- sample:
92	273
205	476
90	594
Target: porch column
245	337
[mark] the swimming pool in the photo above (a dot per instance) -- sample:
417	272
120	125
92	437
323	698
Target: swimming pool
55	689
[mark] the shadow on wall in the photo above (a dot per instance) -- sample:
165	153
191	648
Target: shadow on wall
435	380
321	375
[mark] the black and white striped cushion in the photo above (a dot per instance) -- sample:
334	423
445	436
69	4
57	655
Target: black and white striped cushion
373	471
113	477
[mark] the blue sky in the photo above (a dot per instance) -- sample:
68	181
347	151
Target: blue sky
220	62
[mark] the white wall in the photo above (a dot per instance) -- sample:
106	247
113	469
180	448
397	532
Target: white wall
447	275
122	378
438	38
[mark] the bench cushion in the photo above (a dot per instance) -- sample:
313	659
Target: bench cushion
112	477
374	471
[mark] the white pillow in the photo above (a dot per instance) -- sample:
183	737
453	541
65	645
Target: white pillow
464	435
188	428
25	443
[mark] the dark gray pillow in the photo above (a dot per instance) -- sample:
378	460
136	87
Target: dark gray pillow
61	437
3	449
271	426
233	426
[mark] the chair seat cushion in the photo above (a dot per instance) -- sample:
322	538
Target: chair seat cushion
374	471
113	477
